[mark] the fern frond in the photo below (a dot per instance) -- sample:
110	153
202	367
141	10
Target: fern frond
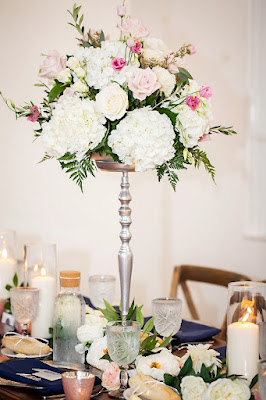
199	157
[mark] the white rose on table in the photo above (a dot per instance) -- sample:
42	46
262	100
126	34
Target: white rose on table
166	80
64	76
112	101
96	351
158	364
228	389
89	333
73	63
193	388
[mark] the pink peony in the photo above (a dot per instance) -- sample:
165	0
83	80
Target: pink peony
121	11
137	47
144	83
206	91
52	65
111	377
118	64
192	50
35	114
192	102
134	28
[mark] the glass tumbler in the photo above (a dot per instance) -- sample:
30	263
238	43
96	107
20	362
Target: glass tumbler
167	315
101	287
24	305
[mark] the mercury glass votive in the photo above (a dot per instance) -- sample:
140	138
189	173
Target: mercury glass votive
246	310
78	385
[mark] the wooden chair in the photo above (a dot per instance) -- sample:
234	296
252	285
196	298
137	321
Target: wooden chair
184	273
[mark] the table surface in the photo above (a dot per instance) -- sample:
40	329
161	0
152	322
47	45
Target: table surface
7	393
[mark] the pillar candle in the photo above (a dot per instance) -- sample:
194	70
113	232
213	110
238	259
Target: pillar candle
7	270
44	318
243	349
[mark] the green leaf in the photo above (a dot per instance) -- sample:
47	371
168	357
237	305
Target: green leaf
106	357
169	114
185	72
171	380
110	315
148	326
51	330
204	373
108	306
254	381
149	343
187	367
166	341
57	90
15	280
8	287
131	310
75	12
139	316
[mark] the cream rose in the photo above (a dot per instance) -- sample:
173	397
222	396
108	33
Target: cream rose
79	87
80	72
64	76
95	320
154	50
112	101
89	333
166	80
73	63
228	389
193	388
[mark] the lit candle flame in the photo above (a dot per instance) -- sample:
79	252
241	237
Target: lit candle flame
43	272
35	268
247	309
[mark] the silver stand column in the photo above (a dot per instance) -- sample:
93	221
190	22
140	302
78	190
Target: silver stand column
125	256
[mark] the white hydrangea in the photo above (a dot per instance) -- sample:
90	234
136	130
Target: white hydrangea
193	124
144	138
75	127
97	63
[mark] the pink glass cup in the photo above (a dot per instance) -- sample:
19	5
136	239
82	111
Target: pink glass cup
78	385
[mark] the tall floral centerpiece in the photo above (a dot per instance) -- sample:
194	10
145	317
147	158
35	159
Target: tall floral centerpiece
128	101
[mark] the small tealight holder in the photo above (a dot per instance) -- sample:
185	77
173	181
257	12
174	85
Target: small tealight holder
40	272
246	310
78	385
8	262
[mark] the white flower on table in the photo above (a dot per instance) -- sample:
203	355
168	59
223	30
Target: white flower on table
202	354
193	388
94	317
96	351
227	389
156	365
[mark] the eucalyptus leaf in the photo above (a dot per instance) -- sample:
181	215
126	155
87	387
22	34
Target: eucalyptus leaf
148	326
15	280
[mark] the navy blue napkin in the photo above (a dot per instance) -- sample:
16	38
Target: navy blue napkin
222	351
9	369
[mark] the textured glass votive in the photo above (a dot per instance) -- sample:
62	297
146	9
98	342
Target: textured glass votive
101	287
246	310
78	385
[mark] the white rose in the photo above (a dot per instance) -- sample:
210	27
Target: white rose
112	101
80	72
193	388
166	80
95	320
89	333
228	389
79	87
73	63
158	364
96	351
64	76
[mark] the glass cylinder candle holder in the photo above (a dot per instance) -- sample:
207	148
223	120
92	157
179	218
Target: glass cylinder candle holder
8	262
40	272
246	310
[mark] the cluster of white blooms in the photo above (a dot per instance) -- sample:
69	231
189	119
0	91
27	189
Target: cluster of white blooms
193	124
97	63
202	354
144	138
194	388
76	127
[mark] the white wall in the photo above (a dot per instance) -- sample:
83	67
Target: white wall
201	223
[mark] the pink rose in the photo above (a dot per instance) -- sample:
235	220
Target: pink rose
206	91
144	83
118	64
134	28
191	50
111	377
33	117
137	47
52	65
121	11
192	102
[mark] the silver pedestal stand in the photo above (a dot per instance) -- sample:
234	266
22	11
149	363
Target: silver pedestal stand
125	256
